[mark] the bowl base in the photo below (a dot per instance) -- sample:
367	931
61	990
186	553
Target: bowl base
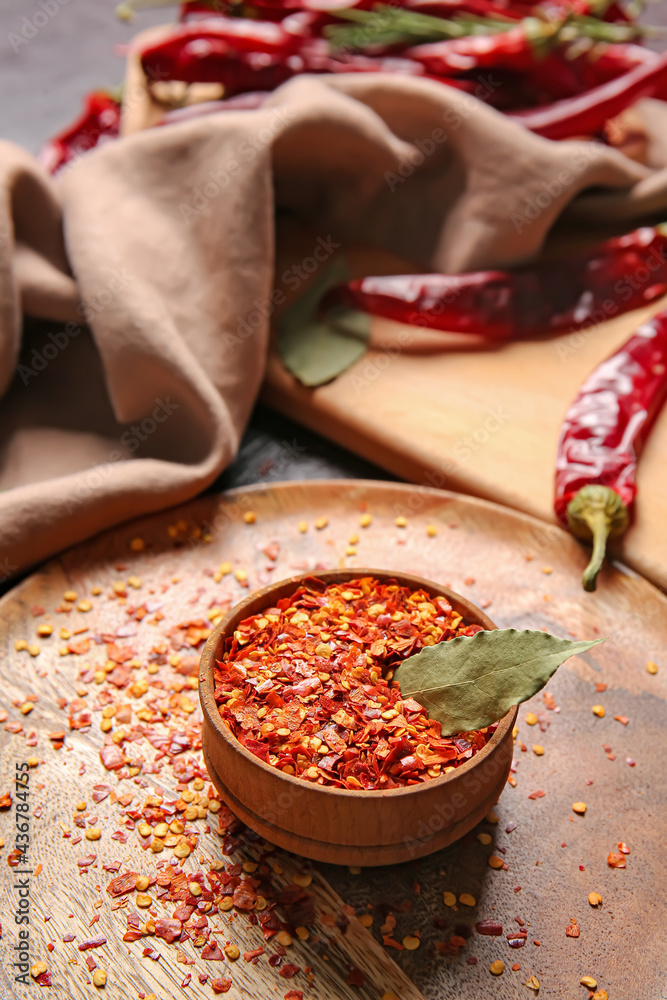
366	856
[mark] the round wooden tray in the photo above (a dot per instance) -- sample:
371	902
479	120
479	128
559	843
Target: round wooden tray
527	574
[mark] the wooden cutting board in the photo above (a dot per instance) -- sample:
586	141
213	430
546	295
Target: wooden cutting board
436	412
526	573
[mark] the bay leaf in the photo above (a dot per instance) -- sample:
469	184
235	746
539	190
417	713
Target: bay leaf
314	348
469	682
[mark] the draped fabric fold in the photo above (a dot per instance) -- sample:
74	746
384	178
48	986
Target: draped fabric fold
152	260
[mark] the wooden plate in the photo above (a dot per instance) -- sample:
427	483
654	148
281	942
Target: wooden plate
527	574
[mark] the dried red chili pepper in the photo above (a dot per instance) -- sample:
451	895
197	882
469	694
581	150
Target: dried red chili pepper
99	122
306	686
538	298
602	436
588	113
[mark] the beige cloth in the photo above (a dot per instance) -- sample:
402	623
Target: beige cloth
164	243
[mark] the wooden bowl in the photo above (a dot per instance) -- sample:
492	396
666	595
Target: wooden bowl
344	826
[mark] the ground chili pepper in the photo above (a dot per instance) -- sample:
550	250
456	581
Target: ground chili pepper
602	435
541	298
306	686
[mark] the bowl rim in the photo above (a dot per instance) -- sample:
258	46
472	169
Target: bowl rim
210	708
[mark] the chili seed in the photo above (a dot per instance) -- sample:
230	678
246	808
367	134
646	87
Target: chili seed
449	899
93	833
303	880
194	889
141	882
250	517
538	750
401	522
143	900
365	520
589	982
495	861
85	606
484	838
366	920
44	630
26	708
531	719
600	995
302	527
33	649
579	808
599	711
226	903
533	983
321	522
232	952
161	830
99	978
38	969
137	544
182	850
20	645
431	530
497	968
80	806
70	595
652	667
467	900
144	829
157	846
284	938
594	898
410	942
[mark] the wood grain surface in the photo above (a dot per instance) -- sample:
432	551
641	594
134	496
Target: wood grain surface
528	573
437	411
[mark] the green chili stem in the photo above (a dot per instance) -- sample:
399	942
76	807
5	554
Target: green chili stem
598	522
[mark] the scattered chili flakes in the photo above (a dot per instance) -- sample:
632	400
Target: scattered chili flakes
306	686
221	985
623	719
5	800
573	929
623	847
616	860
539	794
356	977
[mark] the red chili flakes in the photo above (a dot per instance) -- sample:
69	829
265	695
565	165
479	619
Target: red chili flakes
573	929
112	757
307	686
290	970
356	977
5	800
250	955
623	719
211	951
122	884
221	985
623	847
95	942
616	860
100	792
539	794
516	939
294	995
489	927
170	930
